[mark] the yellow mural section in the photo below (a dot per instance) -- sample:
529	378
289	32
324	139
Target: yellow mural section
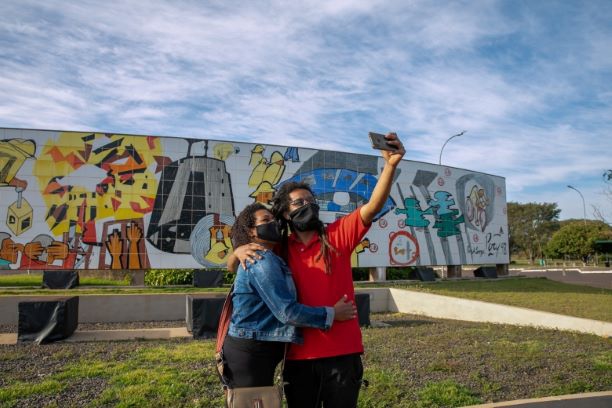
115	175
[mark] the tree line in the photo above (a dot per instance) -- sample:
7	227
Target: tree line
535	232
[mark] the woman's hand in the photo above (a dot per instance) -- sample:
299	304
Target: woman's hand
345	309
248	253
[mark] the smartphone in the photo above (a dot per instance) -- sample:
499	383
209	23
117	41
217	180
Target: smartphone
380	142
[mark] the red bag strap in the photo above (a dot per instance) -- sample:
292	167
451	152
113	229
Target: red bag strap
224	320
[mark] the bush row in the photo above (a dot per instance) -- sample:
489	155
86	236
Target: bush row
167	277
405	273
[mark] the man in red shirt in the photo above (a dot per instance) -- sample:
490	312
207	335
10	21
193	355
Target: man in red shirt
326	370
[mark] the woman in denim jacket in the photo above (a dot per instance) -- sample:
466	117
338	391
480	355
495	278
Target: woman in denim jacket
265	308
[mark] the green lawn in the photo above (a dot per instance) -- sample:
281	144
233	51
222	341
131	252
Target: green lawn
108	291
416	362
533	293
31	285
36	280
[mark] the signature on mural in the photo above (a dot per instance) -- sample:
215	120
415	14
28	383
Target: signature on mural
496	244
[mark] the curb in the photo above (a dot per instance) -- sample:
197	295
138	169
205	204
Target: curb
586	400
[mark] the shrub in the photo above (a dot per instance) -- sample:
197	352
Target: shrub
401	273
228	277
164	277
405	273
361	274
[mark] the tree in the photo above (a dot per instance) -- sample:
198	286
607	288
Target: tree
577	240
531	226
602	213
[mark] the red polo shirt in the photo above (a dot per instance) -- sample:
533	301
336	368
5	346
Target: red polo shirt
316	288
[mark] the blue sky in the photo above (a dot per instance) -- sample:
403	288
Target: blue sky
530	81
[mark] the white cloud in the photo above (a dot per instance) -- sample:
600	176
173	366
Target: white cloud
534	96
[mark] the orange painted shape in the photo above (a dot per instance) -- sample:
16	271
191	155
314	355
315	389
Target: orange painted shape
56	154
74	161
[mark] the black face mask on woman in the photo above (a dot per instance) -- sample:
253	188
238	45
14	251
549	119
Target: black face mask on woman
269	231
305	218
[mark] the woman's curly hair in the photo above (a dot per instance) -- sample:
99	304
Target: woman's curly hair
240	233
280	205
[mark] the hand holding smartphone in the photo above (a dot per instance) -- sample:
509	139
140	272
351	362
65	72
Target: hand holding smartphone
379	141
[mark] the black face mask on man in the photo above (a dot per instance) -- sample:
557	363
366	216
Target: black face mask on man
269	231
305	218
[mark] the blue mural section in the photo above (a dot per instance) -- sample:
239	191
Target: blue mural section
330	184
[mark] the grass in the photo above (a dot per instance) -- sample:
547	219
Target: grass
156	374
532	293
31	285
108	291
416	362
437	363
446	393
28	281
22	390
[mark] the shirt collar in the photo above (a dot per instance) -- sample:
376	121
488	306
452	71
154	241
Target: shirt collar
313	240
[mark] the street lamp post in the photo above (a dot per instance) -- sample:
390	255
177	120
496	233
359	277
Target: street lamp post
583	202
448	140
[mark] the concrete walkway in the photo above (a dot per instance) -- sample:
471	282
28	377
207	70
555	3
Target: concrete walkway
447	307
131	334
587	400
113	335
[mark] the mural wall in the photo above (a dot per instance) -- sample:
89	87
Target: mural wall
73	200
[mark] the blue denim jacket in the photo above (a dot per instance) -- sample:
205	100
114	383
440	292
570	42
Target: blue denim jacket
265	304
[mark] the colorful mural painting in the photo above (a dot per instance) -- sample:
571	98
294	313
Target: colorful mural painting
78	200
